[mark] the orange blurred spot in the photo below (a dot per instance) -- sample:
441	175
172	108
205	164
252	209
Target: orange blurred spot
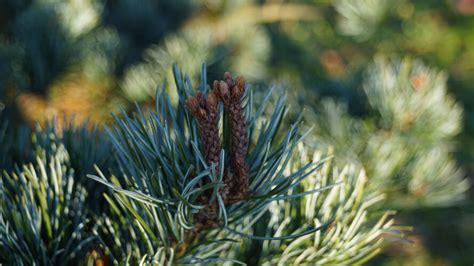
332	63
465	7
76	99
418	81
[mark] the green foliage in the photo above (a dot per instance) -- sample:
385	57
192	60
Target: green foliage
405	146
127	47
354	234
240	48
14	146
44	47
46	199
84	145
412	97
155	197
163	168
361	18
43	212
156	174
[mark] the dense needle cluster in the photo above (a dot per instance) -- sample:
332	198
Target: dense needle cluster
175	203
205	110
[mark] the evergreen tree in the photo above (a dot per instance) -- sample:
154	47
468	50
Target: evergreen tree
86	59
190	187
405	146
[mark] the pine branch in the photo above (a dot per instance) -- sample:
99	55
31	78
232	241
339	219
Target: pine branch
173	204
348	236
406	145
43	213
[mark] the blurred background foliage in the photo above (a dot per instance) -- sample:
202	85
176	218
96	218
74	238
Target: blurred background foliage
388	83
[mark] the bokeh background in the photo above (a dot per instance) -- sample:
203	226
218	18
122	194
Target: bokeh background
388	83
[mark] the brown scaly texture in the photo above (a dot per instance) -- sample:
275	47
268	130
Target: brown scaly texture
237	178
205	110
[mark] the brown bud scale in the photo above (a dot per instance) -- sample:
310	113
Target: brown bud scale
236	176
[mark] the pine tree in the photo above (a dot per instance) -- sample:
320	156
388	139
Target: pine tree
406	145
43	211
194	182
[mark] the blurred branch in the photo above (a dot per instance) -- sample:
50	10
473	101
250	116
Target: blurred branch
268	13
